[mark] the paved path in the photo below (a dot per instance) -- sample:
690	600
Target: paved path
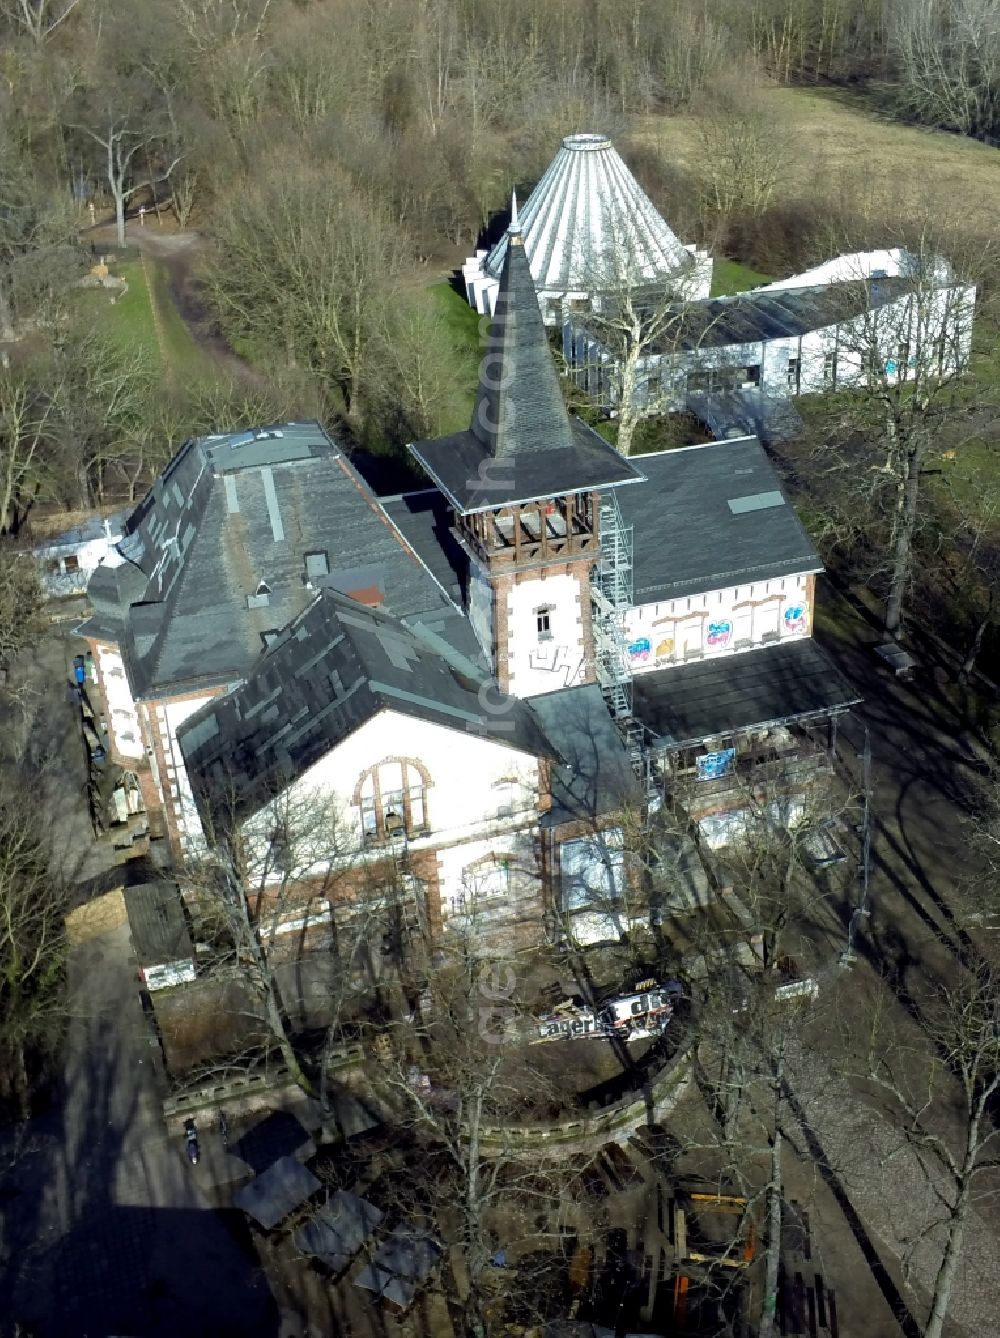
106	1228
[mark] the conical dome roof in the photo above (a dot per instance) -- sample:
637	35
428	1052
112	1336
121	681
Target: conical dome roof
588	225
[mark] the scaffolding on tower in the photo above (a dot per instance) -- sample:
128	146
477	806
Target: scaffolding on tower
611	589
612	597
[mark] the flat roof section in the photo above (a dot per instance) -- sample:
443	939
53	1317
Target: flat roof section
776	685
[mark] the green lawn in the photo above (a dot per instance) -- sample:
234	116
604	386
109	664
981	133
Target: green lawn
456	314
729	276
129	319
463	324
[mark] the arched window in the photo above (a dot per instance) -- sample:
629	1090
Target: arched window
392	800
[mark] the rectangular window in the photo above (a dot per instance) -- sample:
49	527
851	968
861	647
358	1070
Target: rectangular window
793	375
543	624
416	808
592	870
393	812
369	822
830	370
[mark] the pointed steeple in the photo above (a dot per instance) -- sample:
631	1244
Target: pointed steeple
519	405
514	225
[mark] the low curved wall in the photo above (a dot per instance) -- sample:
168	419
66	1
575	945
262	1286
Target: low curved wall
587	1131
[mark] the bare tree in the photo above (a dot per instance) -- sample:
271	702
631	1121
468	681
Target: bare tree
742	161
128	145
903	362
39	18
301	269
455	1075
780	812
948	57
940	1085
26	426
22	605
33	906
289	886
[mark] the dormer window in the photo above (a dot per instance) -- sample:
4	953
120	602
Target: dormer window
270	637
543	622
317	566
260	598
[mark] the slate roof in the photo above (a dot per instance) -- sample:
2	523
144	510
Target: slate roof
759	316
335	667
586	213
337	1231
400	1265
522	444
157	925
595	777
686	704
687	537
276	1192
215	556
425	521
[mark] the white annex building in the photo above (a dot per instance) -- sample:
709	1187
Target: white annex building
588	228
860	319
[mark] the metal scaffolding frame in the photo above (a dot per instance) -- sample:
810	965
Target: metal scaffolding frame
611	591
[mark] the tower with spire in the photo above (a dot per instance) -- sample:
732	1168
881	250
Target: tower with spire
527	484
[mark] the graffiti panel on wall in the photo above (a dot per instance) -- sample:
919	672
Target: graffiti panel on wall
720	633
640	650
795	618
711	766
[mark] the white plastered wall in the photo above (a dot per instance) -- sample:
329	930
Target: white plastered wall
481	791
168	718
471	894
720	622
535	664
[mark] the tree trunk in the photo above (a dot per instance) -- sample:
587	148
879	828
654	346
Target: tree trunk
119	218
903	555
769	1312
6	319
972	654
474	1321
945	1280
280	1032
627	412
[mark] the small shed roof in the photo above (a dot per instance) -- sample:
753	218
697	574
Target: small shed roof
337	1231
157	924
400	1265
276	1192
